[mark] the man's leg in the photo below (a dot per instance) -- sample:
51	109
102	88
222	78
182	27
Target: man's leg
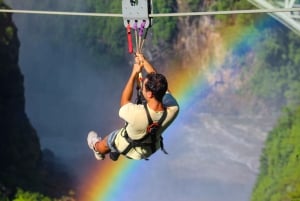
102	146
99	147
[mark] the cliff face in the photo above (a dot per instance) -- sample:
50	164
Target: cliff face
20	150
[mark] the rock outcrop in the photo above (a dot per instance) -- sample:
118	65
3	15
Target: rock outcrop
20	151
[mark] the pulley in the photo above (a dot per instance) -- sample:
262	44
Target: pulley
137	11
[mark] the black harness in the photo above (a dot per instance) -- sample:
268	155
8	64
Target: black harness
150	138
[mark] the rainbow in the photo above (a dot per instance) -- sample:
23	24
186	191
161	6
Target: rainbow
100	186
111	181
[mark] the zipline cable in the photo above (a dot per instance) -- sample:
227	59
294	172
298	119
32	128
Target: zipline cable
229	12
154	14
60	13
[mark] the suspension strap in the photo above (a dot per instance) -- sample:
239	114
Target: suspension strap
145	35
135	27
129	39
141	32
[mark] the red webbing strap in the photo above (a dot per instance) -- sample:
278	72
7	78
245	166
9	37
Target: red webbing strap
129	39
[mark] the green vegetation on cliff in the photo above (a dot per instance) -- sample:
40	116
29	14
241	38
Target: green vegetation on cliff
279	177
274	77
277	74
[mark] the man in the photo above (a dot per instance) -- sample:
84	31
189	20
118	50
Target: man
133	141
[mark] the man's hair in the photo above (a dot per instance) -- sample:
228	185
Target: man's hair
157	84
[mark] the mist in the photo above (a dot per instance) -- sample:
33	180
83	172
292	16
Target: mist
68	93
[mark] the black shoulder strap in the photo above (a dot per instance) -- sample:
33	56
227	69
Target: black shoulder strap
150	121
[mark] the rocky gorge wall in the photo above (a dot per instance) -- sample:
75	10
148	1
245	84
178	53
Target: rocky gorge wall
22	162
19	144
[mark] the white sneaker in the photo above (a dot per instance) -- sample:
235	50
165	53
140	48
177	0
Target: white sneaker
92	139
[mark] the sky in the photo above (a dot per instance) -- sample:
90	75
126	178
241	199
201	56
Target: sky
212	157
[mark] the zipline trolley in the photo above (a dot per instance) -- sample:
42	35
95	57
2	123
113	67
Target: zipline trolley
136	17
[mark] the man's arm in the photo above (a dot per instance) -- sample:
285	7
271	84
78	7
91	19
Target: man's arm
128	89
169	100
144	62
147	66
